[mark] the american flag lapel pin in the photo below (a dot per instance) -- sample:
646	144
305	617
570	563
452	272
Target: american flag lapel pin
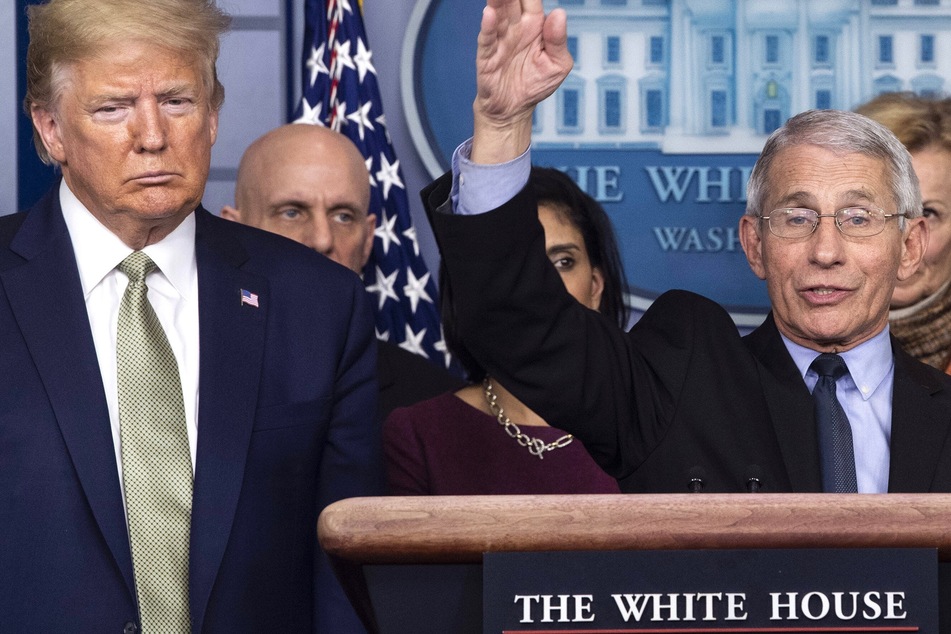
248	298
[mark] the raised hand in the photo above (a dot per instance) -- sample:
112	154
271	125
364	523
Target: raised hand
522	58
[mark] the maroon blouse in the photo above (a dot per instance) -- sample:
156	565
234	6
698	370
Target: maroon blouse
444	446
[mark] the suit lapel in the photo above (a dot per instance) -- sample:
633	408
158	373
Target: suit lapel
45	294
920	423
919	426
790	407
232	347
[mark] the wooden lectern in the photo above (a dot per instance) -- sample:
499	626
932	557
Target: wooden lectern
412	565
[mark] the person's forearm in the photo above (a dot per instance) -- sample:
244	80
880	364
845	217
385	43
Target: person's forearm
494	142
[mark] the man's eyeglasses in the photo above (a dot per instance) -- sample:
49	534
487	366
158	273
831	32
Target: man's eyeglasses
856	222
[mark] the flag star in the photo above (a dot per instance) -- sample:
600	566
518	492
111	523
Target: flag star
361	118
382	336
411	235
345	5
381	121
414	342
415	289
386	233
440	346
370	171
343	57
389	175
384	287
363	60
310	115
340	115
316	63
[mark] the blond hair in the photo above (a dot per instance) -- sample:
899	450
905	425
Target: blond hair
63	32
918	122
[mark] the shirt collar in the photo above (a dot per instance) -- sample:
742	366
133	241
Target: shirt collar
869	363
98	251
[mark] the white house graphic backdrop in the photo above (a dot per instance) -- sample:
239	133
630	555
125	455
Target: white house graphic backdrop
669	103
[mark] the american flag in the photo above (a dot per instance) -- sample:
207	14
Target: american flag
341	92
249	298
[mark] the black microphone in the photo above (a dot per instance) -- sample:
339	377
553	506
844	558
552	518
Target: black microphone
754	478
696	482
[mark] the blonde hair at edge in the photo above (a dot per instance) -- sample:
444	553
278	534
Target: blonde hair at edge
63	32
918	122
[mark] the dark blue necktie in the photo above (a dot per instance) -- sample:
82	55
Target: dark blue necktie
835	434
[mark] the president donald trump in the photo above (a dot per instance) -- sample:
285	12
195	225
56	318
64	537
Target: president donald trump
180	395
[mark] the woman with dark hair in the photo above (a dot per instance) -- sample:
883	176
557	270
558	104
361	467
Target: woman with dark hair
481	439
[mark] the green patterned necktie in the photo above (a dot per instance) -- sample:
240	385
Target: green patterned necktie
156	462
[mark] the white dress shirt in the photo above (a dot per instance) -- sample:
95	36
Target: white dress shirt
173	293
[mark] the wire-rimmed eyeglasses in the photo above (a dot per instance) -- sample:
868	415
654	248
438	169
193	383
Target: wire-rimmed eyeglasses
856	222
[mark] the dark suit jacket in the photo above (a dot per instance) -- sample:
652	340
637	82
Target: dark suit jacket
681	396
286	425
406	378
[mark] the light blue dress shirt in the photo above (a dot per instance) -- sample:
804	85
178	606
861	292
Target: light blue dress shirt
865	393
478	188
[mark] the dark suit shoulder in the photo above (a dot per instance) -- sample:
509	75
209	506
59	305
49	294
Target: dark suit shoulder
691	305
406	378
266	252
678	319
400	361
921	427
930	379
40	225
9	225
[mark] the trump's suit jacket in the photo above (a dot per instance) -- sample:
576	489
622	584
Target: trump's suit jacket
286	425
681	397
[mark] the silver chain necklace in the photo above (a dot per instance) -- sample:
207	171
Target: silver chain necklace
535	446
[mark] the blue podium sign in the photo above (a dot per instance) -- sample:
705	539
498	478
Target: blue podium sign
715	591
668	105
